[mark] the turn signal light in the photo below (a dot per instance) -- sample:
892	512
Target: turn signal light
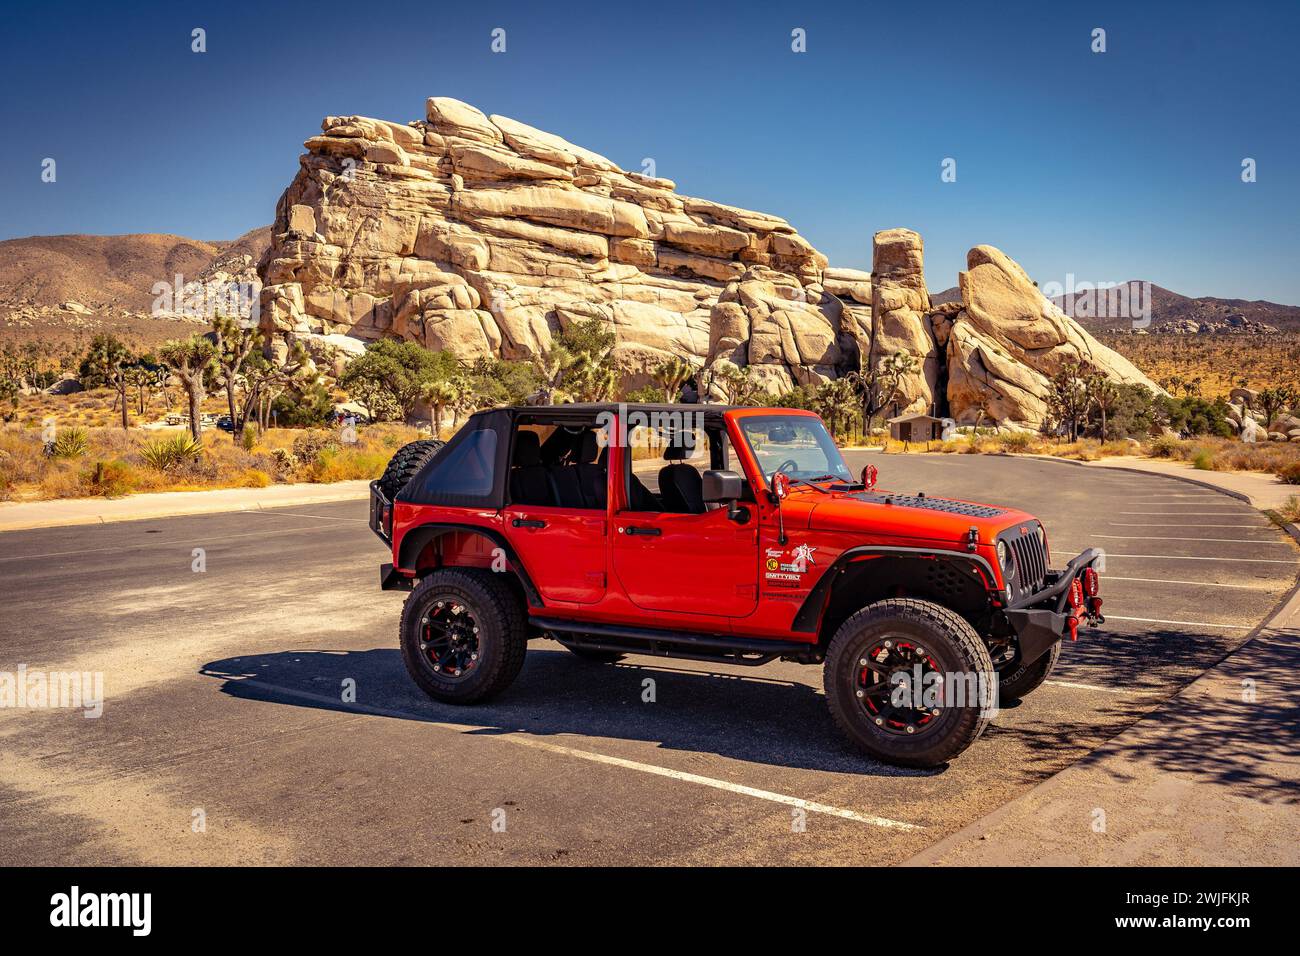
1091	582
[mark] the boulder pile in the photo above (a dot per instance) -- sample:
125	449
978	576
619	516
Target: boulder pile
486	236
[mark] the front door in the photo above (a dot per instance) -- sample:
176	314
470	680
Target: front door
694	563
672	552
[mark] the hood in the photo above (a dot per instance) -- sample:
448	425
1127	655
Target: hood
922	517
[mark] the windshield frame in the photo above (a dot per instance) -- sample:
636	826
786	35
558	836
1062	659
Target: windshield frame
824	439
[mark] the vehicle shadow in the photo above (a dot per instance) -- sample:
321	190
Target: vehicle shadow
745	717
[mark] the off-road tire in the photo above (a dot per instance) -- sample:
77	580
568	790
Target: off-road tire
595	656
1017	681
502	634
948	638
404	464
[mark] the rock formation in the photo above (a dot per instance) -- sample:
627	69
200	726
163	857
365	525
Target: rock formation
486	236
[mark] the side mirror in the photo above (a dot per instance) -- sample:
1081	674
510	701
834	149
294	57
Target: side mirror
780	485
720	486
869	475
725	487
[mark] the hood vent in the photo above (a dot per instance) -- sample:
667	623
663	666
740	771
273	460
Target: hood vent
931	504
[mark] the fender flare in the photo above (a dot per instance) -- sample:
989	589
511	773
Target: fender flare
808	617
414	541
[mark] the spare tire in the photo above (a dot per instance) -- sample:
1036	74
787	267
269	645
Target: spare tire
403	466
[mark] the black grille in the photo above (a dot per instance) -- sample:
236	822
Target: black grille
1030	560
933	504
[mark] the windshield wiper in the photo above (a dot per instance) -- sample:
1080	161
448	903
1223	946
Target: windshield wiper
809	483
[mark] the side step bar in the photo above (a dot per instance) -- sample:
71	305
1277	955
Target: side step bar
719	648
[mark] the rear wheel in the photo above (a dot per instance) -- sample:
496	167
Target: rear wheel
404	464
907	681
1018	680
463	635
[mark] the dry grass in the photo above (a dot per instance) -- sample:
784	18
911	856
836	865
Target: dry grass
114	462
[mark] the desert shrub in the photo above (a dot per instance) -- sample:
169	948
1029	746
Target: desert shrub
1290	509
309	408
254	478
1203	460
346	464
248	439
284	461
309	446
109	479
168	454
69	443
1165	446
1017	443
1290	474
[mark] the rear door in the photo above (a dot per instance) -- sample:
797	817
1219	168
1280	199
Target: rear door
559	533
698	563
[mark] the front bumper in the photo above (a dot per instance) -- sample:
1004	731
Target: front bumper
1041	619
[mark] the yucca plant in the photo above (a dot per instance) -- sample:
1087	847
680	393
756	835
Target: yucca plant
168	453
69	443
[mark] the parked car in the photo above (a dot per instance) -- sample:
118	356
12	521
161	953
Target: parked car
723	534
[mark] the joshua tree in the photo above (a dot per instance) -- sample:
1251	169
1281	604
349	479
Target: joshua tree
1068	398
671	374
1275	400
190	361
440	394
233	345
108	360
1104	395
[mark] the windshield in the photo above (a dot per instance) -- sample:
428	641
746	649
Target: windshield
798	445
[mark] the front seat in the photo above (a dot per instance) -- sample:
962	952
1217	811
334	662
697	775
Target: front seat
680	485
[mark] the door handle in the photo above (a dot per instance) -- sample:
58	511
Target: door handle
528	523
636	530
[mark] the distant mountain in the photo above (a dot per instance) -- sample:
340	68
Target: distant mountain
1114	309
56	288
111	272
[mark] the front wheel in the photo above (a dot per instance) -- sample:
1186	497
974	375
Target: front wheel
909	682
463	635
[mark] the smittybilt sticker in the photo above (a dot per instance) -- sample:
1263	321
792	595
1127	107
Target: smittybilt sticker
786	567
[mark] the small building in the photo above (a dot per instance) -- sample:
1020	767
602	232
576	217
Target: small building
918	426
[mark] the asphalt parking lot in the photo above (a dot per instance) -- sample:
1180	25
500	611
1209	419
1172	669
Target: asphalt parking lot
224	737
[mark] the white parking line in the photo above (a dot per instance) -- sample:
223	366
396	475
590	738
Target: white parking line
1183	524
1186	557
1184	514
1153	537
802	804
1156	620
1074	686
1201	584
523	740
298	514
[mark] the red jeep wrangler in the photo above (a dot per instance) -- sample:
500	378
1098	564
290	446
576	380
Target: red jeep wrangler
723	534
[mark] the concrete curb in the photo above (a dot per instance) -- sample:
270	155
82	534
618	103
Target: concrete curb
30	515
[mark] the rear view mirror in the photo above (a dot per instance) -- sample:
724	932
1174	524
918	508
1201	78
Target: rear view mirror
781	434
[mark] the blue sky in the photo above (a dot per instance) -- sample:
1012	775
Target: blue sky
1110	166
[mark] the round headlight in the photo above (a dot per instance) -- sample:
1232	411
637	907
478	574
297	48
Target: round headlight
1004	559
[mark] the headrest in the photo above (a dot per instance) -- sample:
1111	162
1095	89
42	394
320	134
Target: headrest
677	449
589	447
528	449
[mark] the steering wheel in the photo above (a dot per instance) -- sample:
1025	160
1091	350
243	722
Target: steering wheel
793	466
